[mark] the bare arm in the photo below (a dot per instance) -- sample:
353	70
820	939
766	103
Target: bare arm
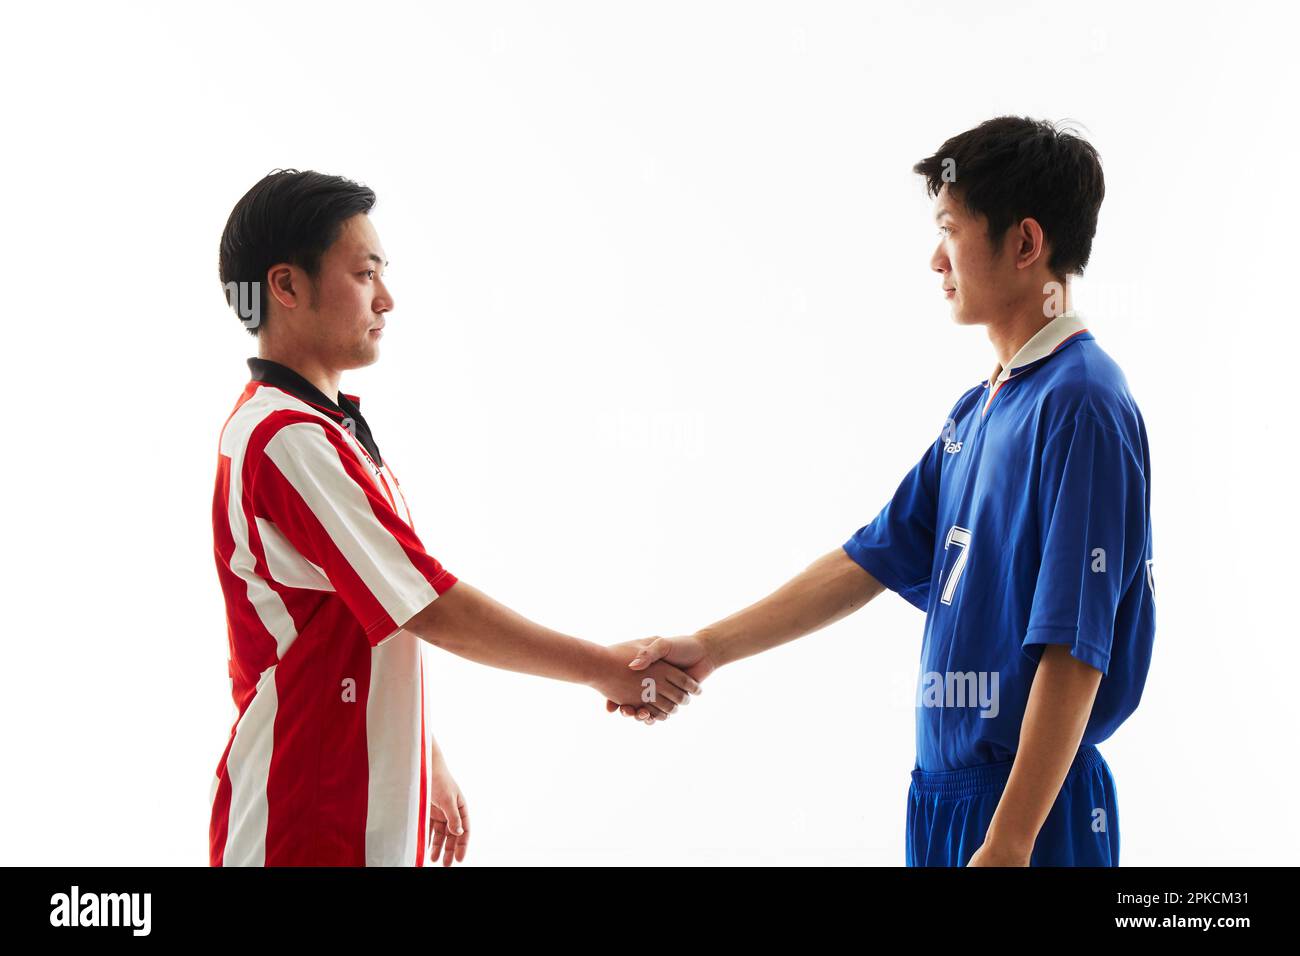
1060	701
831	588
468	623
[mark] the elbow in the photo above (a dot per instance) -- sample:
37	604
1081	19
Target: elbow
430	624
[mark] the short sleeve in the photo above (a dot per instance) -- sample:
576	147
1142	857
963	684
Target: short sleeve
311	492
897	547
1091	515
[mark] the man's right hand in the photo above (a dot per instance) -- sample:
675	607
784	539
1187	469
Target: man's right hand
655	687
689	653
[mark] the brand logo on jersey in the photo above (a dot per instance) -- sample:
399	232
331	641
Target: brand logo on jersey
949	437
350	426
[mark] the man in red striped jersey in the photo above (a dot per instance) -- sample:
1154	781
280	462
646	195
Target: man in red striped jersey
328	589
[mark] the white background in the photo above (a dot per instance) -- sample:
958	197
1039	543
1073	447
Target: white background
665	332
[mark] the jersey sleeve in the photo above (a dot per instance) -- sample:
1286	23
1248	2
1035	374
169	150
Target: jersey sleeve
315	491
897	547
1092	520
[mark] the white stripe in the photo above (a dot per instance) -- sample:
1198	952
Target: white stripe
400	503
393	748
286	563
248	767
310	463
268	605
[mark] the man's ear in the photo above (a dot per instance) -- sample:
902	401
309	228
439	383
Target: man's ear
281	284
1031	243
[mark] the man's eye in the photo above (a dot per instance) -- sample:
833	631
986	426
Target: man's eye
370	273
944	230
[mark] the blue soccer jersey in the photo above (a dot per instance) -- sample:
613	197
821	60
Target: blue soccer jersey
1026	522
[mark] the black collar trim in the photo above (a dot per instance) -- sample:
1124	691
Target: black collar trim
346	408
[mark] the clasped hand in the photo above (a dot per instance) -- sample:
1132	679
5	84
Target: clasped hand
665	672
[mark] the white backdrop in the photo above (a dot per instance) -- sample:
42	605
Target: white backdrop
665	332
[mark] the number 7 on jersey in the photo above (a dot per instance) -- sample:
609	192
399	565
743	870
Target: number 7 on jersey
961	538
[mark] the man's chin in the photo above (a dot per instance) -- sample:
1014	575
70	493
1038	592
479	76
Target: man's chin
368	355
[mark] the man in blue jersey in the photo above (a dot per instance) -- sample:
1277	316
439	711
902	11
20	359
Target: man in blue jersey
1023	532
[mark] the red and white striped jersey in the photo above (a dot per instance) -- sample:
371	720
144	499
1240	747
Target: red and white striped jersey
320	568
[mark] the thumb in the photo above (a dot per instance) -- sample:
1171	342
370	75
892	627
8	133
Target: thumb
453	817
658	648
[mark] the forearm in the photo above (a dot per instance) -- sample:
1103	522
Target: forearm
436	758
468	623
1060	701
831	588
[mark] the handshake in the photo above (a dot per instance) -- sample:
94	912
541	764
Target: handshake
647	679
666	672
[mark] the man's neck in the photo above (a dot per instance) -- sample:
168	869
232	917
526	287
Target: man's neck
1009	334
325	379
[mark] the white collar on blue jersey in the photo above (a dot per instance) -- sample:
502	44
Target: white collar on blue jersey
1042	344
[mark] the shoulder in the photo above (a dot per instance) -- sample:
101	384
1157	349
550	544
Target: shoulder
1086	383
274	424
1088	391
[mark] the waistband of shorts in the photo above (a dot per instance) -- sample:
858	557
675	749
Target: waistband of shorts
989	777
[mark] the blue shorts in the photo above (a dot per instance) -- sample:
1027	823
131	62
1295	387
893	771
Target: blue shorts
949	812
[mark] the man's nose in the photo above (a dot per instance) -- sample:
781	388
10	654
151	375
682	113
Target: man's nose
939	261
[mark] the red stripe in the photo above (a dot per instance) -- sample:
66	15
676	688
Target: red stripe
320	761
220	821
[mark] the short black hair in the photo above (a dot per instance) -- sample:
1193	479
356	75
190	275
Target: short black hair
289	216
1013	167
